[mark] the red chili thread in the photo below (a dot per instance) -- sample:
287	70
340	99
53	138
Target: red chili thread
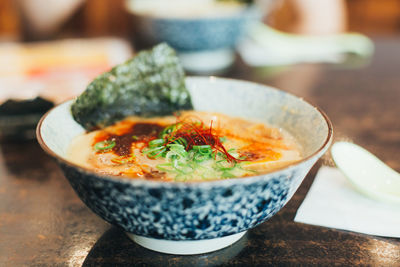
194	131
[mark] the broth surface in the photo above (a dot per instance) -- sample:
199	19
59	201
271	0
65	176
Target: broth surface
194	146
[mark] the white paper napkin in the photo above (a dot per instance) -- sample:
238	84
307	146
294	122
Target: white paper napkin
333	202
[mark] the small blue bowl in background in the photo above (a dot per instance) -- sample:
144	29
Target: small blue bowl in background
205	40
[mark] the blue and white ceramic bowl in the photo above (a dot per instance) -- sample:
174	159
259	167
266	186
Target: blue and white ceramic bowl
205	40
197	217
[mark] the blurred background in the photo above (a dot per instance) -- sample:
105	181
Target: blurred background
51	49
92	18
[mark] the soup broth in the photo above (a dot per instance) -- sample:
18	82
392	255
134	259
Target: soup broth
194	146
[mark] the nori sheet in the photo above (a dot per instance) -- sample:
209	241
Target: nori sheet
150	84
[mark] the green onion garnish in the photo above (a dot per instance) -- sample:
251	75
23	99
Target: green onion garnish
200	158
181	141
154	152
176	153
203	150
104	145
168	130
156	143
190	148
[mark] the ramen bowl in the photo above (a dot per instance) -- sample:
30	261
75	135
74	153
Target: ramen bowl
197	217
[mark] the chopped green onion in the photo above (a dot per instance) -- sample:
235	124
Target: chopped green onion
181	141
155	152
184	163
177	168
168	130
176	146
204	149
165	167
183	168
134	137
176	155
104	145
156	143
200	158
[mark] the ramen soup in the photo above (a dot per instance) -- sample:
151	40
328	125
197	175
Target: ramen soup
194	146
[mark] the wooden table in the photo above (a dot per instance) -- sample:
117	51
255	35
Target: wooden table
43	223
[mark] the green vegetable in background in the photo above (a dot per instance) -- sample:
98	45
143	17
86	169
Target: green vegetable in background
150	84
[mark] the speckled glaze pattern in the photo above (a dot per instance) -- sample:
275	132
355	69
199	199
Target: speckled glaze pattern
205	210
198	34
182	211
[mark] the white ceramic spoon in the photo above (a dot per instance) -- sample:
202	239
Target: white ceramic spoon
366	172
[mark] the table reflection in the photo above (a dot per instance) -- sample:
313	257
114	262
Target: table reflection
114	247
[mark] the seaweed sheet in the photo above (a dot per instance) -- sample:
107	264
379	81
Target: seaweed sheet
150	84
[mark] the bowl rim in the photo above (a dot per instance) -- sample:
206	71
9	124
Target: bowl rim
247	10
219	182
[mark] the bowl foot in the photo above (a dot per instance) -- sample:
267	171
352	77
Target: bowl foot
189	247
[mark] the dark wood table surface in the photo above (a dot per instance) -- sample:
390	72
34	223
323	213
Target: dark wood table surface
43	222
